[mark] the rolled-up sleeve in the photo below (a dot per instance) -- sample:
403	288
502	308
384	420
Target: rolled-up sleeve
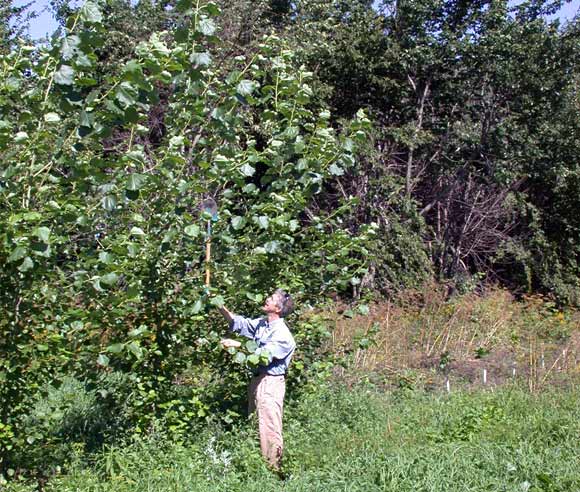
244	326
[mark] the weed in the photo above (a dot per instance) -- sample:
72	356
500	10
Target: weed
425	332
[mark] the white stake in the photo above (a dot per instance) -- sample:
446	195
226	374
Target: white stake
542	362
485	376
565	357
448	384
514	370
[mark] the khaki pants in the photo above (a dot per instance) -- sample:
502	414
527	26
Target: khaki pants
266	395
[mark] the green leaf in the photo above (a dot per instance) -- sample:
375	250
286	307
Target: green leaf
42	233
131	115
363	309
135	349
212	9
133	67
255	297
246	87
40	249
26	265
109	203
133	250
86	119
197	306
51	117
136	181
20	137
17	254
91	14
192	230
31	216
84	61
126	94
240	358
265	357
217	301
109	279
221	160
165	76
200	59
253	359
137	231
103	360
133	291
206	27
183	5
336	170
106	258
64	75
12	84
247	170
293	225
137	332
262	221
136	156
238	222
116	348
176	142
69	47
272	247
251	346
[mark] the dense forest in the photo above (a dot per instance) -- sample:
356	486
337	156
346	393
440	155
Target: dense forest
354	149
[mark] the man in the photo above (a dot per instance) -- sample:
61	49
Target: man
267	388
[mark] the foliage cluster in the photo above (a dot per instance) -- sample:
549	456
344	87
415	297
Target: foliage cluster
105	163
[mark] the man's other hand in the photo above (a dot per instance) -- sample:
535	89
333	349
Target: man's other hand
228	342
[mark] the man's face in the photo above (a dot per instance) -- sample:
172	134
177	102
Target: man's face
272	305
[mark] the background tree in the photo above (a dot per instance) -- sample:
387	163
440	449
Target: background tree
13	23
461	93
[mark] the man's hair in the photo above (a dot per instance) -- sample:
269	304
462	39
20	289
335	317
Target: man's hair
285	302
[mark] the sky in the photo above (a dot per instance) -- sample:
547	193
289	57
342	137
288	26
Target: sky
45	24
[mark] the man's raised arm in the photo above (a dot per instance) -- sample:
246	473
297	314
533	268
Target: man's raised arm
227	314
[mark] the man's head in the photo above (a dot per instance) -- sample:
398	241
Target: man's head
280	303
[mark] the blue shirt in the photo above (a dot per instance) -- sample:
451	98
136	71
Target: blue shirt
274	337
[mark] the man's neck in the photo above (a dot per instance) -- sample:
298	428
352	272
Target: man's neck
273	317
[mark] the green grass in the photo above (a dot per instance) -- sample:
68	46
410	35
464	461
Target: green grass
360	439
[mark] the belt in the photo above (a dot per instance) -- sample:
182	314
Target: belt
271	375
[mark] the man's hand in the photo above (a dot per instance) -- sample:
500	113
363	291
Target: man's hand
228	342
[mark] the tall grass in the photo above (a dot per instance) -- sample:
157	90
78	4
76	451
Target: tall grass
423	337
363	440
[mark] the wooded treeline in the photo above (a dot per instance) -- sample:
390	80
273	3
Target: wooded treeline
472	170
354	148
474	160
